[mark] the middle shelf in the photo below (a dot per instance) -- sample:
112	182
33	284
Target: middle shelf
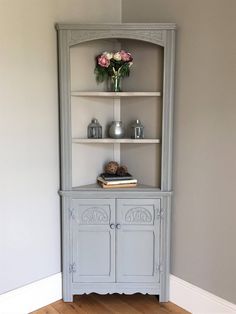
115	94
116	141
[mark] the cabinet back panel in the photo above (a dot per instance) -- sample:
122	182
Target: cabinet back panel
146	109
82	59
146	75
88	161
143	161
147	70
83	109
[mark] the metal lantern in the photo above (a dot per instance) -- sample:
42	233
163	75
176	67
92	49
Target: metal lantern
137	130
94	129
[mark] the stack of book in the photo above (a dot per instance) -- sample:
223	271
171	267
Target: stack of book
113	181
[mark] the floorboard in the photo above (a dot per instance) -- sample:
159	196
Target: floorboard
112	304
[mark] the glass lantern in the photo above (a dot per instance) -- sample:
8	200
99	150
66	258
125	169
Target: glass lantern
94	129
137	130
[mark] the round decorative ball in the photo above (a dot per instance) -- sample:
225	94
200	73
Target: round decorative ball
111	167
121	171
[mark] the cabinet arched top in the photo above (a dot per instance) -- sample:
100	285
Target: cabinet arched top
154	33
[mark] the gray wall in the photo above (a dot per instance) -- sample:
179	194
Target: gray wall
29	165
204	216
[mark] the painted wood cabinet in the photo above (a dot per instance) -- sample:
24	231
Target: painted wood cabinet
116	241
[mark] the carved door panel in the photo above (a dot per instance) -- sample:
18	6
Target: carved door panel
93	240
138	240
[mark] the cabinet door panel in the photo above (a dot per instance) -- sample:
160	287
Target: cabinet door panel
132	242
138	240
93	240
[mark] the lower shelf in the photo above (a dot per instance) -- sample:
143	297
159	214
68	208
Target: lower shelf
96	187
95	191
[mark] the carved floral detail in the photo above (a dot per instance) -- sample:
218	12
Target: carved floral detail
138	215
153	36
95	216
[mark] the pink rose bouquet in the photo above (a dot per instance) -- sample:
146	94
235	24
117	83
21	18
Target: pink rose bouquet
109	64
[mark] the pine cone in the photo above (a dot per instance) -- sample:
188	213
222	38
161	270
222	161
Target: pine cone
111	167
121	171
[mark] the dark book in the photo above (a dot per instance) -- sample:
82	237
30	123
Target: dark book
115	177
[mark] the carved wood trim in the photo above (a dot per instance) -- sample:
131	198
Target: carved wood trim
138	215
94	216
153	36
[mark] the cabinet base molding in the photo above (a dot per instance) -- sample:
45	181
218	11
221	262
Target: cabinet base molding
110	288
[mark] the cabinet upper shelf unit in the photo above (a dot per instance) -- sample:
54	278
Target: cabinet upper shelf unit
116	141
115	94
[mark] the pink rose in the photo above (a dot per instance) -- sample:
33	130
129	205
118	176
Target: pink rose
103	61
125	56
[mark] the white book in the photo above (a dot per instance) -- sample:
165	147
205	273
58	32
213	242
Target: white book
117	182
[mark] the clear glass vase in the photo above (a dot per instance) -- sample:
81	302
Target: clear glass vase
116	83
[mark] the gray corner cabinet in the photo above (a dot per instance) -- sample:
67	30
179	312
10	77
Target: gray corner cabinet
118	240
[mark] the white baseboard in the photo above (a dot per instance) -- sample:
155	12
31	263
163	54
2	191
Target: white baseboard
43	292
32	297
196	300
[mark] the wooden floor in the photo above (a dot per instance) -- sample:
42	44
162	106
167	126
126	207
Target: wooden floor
112	304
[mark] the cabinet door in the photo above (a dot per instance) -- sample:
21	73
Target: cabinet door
93	240
138	240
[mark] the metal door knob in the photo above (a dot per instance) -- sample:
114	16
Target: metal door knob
118	226
112	226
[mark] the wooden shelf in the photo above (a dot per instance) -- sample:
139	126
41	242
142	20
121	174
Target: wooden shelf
115	94
116	141
97	187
